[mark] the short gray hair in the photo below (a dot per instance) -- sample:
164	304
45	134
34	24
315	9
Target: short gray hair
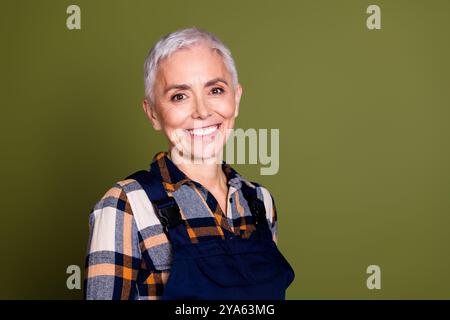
176	40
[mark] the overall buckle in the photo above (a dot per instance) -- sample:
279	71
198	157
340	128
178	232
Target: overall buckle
169	213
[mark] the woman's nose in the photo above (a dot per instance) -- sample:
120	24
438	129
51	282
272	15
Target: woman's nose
201	109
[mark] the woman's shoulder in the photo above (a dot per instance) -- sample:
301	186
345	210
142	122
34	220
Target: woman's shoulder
262	190
264	195
127	196
116	194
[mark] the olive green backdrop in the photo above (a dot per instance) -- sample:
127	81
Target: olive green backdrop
364	133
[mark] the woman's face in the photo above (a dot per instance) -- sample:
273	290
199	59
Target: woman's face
195	102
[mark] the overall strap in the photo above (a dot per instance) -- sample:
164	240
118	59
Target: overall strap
257	207
167	211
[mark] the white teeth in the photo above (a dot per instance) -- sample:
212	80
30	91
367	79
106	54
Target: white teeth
203	131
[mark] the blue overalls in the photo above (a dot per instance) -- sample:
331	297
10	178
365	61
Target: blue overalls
230	269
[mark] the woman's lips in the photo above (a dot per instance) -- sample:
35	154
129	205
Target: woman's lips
204	131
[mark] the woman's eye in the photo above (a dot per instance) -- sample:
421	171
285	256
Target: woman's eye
177	97
217	90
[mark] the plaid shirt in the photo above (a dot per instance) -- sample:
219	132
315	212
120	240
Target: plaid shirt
129	255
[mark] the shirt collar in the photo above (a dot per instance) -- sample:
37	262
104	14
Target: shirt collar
172	177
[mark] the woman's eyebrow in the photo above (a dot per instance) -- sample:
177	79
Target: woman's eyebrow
176	86
186	87
214	81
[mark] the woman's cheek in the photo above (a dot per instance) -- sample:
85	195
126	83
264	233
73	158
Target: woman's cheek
226	110
174	130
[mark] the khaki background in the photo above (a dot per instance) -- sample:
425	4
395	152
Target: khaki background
363	116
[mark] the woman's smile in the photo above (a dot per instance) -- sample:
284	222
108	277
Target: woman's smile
208	131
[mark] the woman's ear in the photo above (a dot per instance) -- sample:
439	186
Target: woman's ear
237	97
150	111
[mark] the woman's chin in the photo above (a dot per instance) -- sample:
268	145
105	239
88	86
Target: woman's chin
208	154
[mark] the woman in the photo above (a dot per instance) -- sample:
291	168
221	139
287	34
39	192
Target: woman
190	227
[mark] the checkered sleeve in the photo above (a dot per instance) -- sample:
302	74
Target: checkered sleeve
113	257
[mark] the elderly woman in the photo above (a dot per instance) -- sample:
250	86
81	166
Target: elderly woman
189	227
